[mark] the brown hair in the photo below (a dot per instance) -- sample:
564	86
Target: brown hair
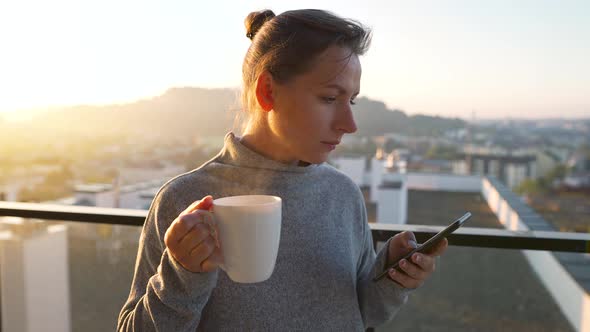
286	45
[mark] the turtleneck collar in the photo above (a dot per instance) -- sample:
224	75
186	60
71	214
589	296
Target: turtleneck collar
236	153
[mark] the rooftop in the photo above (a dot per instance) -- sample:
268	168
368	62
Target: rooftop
93	188
475	289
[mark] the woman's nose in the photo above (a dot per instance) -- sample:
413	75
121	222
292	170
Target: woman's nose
346	121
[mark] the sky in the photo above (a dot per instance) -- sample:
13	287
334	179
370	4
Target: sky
488	59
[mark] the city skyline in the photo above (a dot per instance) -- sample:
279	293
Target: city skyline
446	58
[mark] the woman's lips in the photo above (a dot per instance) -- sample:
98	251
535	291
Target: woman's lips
331	145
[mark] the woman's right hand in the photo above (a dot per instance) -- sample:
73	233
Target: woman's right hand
193	241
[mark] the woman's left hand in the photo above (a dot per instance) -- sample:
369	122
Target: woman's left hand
414	271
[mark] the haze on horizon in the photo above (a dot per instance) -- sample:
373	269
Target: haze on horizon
525	59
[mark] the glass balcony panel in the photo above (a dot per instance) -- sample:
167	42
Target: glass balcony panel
481	289
64	276
73	276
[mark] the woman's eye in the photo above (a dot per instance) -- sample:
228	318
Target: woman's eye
330	100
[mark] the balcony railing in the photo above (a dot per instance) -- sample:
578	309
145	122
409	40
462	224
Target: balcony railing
537	241
465	236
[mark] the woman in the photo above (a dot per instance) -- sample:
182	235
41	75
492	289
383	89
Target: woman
301	75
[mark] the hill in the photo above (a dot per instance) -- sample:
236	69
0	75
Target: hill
209	112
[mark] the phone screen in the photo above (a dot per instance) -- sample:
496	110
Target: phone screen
429	243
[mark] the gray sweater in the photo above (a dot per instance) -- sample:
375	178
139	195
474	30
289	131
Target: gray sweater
322	278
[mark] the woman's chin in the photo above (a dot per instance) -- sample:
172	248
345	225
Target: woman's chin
318	159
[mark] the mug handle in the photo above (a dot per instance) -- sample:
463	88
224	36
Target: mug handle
211	222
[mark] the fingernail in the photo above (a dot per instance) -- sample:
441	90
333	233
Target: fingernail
418	258
403	263
412	244
392	272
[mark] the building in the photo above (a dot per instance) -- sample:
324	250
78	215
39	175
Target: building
34	256
134	196
511	167
546	162
579	177
392	200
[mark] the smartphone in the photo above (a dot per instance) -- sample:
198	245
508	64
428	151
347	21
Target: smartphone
428	244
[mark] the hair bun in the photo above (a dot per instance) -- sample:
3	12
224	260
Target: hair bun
255	20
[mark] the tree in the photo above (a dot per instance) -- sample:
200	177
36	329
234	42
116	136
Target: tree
446	152
391	144
61	177
529	186
557	173
542	184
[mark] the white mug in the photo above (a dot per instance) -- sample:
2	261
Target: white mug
249	233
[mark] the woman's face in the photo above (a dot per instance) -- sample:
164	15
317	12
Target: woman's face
313	111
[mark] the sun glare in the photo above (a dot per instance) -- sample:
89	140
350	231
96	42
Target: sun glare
67	52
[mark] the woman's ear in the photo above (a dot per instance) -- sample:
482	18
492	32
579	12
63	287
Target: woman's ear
264	91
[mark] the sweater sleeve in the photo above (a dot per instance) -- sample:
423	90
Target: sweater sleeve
164	296
379	301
